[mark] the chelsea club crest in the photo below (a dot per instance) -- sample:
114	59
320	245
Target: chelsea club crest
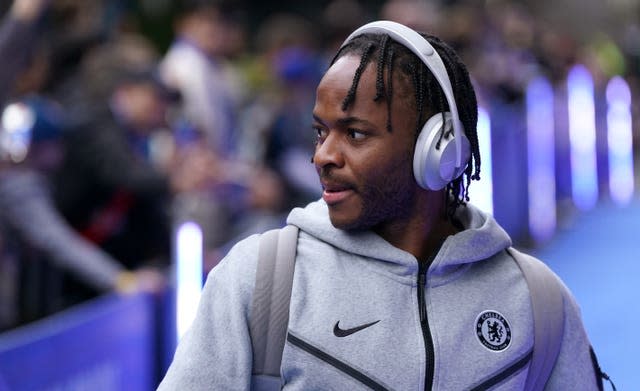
493	331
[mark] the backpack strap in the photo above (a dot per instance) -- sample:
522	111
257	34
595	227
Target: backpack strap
547	303
271	297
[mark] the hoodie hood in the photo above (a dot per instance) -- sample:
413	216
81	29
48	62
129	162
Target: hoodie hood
481	239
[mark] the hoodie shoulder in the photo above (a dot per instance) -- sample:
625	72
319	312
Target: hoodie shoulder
240	262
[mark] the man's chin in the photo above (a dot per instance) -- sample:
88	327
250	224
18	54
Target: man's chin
346	224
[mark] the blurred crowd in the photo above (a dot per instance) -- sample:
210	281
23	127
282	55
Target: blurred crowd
113	133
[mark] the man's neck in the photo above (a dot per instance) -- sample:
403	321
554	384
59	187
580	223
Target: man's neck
423	232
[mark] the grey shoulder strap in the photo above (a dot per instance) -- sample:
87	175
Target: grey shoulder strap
271	297
547	302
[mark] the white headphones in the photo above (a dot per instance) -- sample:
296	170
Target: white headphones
433	168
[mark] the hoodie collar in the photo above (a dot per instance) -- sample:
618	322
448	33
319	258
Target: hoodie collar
481	239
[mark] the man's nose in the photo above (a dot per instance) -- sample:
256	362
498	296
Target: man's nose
329	152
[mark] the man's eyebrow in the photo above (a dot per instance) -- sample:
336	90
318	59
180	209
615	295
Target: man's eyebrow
347	121
354	120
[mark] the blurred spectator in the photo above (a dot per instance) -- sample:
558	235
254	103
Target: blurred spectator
135	167
290	65
107	187
18	40
33	229
339	19
197	65
556	51
244	196
417	14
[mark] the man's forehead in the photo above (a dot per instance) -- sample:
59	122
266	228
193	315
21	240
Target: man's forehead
343	72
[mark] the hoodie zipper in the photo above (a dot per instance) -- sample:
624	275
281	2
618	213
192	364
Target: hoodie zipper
424	323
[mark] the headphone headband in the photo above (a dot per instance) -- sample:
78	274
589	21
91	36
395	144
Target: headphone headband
429	56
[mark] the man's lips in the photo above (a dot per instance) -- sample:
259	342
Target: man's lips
334	193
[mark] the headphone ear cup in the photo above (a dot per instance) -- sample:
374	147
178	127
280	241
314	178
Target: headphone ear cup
434	167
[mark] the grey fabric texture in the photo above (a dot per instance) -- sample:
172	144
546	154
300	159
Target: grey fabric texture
356	278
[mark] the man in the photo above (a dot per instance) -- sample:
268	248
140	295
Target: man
196	64
33	233
398	284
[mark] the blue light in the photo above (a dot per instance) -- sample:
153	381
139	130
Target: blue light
541	159
582	138
620	141
188	274
482	195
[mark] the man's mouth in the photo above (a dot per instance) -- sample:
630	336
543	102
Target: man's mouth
334	193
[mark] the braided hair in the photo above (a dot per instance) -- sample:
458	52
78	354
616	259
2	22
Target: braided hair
393	57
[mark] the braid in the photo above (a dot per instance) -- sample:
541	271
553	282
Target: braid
381	63
389	88
416	77
351	95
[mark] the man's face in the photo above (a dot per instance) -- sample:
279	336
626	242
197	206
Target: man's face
142	105
366	171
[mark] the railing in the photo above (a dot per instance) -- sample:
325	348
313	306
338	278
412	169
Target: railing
110	343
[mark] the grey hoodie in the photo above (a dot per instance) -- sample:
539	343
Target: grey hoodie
356	320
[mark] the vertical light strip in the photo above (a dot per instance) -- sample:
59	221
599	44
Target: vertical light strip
188	274
582	138
620	141
541	159
482	194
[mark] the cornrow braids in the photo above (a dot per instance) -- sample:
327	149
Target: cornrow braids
416	76
389	93
395	58
364	61
381	60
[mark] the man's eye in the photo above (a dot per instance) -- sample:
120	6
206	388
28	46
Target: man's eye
320	133
356	134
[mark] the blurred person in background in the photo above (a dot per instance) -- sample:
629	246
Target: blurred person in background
36	242
286	70
339	18
417	14
207	36
247	195
107	187
73	28
19	33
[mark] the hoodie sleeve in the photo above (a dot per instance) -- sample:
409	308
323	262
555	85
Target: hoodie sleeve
215	353
576	368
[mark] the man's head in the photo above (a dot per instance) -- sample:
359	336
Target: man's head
376	84
123	73
215	27
141	102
